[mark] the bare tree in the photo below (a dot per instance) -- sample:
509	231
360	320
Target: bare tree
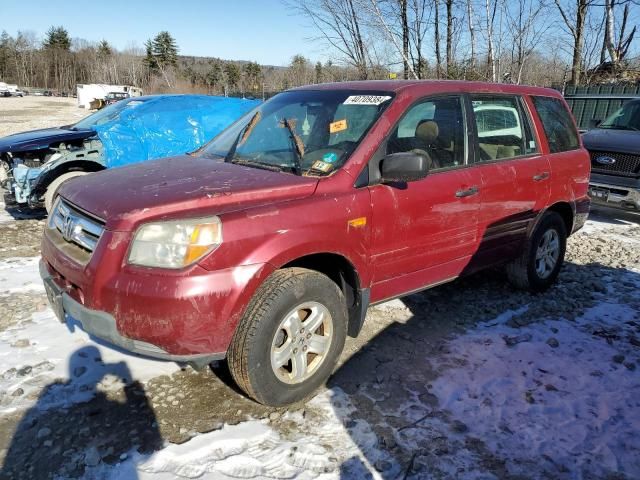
404	20
382	15
616	47
449	7
575	22
340	25
527	28
490	7
419	25
436	33
472	33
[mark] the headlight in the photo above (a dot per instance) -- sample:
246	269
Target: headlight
175	244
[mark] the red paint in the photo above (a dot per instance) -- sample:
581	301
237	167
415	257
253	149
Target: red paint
413	237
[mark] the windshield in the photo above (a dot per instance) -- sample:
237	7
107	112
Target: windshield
112	112
625	118
308	132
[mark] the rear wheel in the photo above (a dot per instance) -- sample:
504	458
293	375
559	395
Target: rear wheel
540	262
290	337
52	190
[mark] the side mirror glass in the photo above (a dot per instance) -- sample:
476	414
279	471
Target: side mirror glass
404	167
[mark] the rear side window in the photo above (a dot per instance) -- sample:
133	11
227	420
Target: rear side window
557	124
502	128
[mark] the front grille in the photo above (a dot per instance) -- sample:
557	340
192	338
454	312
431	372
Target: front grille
78	230
625	164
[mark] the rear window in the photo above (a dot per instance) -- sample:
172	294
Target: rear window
557	123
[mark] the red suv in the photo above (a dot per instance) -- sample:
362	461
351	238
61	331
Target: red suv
267	246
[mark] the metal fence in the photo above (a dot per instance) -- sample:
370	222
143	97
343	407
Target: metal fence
597	102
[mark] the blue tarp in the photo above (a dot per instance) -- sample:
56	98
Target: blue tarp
167	125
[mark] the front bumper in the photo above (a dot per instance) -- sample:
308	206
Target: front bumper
102	325
620	192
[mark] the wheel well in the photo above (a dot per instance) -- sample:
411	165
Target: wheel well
344	274
44	180
566	212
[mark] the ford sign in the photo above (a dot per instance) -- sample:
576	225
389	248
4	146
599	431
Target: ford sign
606	160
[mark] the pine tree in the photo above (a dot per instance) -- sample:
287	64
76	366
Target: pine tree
150	59
232	73
252	73
165	50
104	49
214	75
5	53
57	38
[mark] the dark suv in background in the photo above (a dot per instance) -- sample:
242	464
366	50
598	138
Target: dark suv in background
614	147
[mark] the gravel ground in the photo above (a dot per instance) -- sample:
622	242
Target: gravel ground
390	410
29	113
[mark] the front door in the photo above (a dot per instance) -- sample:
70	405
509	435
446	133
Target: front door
424	232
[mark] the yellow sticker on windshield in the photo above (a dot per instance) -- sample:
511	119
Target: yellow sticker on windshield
338	126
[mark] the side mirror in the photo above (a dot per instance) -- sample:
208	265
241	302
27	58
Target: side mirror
594	123
404	167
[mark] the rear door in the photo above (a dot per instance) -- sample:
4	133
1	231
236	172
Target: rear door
515	175
425	231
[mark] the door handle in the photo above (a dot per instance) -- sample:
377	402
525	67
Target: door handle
467	193
541	176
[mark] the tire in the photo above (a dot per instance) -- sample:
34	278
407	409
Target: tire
525	272
52	190
257	356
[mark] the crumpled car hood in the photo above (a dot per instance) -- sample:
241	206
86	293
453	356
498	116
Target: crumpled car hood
177	187
39	139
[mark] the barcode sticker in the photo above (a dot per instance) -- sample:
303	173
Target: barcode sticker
366	99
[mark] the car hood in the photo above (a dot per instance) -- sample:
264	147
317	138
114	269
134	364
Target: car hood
166	188
609	140
39	139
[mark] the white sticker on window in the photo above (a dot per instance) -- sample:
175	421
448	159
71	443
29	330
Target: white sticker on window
366	99
532	144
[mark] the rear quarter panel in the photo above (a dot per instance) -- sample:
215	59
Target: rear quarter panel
570	171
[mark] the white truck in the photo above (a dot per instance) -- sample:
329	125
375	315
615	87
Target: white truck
88	93
10	90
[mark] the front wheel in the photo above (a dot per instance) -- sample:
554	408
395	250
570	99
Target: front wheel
290	337
539	264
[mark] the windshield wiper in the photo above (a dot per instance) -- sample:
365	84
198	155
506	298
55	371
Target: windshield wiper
253	163
242	136
298	146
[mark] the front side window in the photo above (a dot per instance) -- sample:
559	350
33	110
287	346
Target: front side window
434	127
502	129
557	124
307	132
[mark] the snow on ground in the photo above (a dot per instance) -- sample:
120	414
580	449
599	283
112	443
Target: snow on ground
556	393
35	353
255	450
20	275
5	216
561	401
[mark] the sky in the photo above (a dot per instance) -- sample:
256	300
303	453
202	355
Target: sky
257	30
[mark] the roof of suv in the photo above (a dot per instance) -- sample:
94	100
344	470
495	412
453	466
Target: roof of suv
424	86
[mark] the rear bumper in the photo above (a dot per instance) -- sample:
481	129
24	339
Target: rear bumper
620	192
102	326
